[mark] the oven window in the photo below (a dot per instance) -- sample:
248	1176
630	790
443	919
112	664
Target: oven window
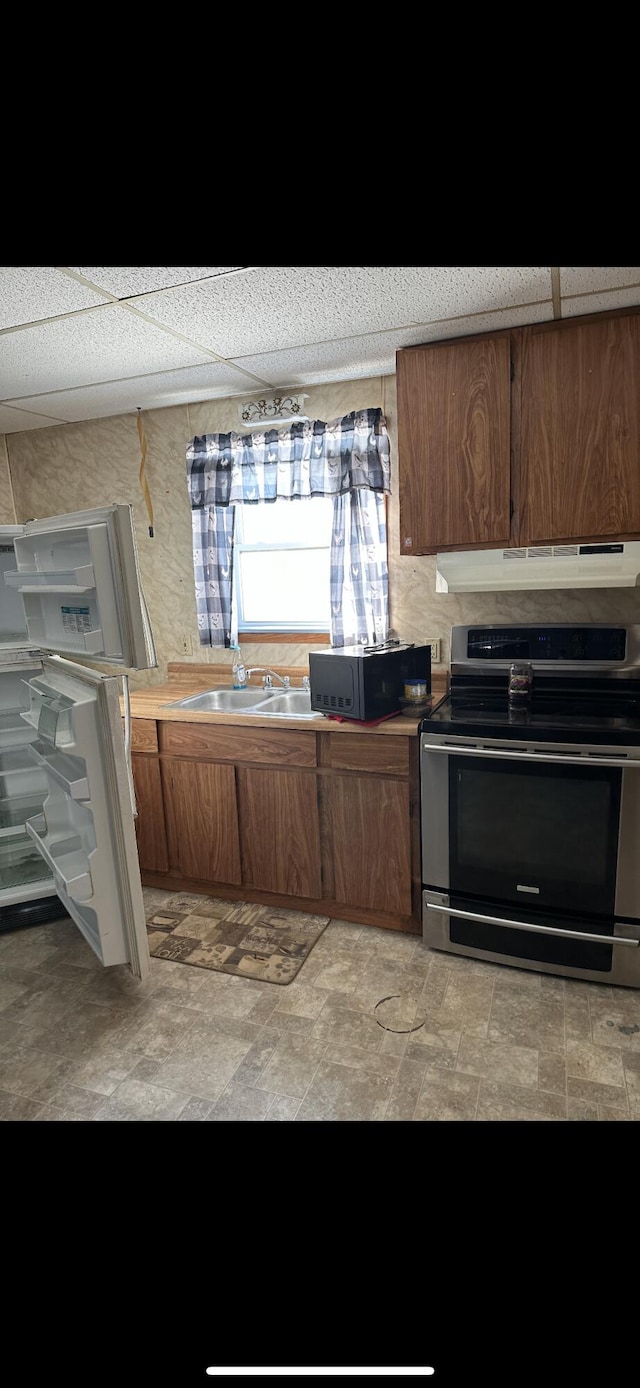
537	835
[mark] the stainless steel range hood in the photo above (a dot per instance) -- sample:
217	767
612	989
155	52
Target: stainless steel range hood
613	565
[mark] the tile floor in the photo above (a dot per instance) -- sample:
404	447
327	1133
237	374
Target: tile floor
81	1042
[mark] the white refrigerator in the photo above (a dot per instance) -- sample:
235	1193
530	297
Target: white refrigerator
69	592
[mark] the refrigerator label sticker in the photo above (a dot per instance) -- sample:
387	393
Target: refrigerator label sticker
76	619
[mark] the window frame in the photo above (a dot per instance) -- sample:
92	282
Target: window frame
319	633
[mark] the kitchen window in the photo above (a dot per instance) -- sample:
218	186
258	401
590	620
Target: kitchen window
248	579
281	565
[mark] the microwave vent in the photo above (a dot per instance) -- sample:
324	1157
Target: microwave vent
334	701
542	552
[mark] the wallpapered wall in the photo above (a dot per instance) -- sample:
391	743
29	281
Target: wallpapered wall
70	467
7	513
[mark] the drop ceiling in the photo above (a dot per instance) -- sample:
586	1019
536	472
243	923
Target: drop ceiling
86	341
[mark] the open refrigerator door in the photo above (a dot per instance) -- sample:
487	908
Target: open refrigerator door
71	585
84	832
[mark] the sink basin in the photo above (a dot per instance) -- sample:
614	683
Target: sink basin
285	703
290	703
224	700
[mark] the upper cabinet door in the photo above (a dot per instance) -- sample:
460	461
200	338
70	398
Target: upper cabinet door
454	444
579	472
78	584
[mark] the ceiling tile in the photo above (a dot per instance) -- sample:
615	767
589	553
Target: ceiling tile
374	355
146	392
126	280
12	421
31	292
582	279
269	308
105	344
599	303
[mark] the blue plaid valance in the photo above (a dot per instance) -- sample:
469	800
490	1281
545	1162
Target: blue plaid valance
307	458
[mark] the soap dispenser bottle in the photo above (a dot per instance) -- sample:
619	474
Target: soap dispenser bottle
239	672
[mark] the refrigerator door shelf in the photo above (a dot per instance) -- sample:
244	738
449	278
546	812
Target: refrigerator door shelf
15	810
49	715
12	730
80	580
71	585
68	863
86	833
18	774
20	864
69	772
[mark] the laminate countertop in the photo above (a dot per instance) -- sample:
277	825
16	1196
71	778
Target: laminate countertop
155	702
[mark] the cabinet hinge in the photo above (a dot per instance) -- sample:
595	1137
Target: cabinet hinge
511	510
512	369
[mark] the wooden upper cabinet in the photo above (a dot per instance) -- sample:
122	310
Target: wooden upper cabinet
454	444
578	475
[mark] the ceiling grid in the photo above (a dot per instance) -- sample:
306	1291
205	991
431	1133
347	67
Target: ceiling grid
87	342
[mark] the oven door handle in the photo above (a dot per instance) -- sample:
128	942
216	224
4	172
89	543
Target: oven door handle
469	751
539	929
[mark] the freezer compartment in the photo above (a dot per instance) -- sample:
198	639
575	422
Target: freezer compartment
56	580
13	626
74	587
21	863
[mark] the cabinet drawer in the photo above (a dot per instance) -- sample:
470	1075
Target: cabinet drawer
144	736
286	748
366	752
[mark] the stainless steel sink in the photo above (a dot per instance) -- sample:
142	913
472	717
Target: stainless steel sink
290	703
224	700
285	703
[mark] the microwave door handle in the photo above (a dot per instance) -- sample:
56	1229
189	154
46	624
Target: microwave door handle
539	929
469	751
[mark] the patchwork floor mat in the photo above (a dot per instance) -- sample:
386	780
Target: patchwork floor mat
233	937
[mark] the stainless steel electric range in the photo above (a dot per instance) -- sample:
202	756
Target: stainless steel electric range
531	812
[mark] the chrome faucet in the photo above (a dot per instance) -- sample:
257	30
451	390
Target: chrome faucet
269	677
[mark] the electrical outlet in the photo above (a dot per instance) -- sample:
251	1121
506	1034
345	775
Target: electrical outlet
435	649
185	644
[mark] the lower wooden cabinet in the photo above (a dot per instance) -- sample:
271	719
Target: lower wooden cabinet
369	841
150	824
279	830
326	822
202	820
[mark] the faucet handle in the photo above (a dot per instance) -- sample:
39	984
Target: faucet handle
286	682
305	682
267	682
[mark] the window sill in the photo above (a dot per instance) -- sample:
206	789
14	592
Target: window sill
311	638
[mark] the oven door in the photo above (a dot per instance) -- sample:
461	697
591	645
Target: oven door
540	836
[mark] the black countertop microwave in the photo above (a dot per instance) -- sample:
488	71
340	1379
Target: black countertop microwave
365	682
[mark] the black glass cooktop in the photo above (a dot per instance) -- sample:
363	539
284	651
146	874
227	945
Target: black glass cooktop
610	717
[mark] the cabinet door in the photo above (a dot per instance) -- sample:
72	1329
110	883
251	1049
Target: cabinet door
202	820
579	474
279	829
454	445
150	826
370	842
